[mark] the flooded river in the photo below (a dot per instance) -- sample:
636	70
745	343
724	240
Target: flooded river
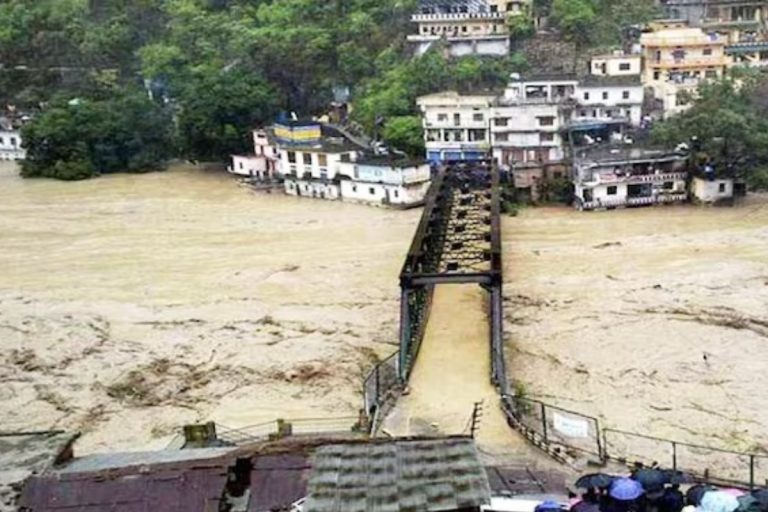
653	320
132	304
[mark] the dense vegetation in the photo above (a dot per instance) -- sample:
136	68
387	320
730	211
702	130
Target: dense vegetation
216	68
726	128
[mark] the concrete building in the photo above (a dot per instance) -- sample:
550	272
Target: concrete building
528	119
262	164
10	138
739	19
679	59
309	158
456	127
385	181
607	98
616	64
621	176
469	27
712	191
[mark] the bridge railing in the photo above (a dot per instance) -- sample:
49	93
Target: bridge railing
555	426
379	387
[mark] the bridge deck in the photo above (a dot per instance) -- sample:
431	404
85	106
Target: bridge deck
453	372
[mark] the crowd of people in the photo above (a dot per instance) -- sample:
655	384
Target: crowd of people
657	490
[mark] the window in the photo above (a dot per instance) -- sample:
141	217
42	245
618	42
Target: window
656	75
605	95
322	160
582	113
241	165
396	194
710	73
624	66
13	141
354	188
625	95
372	191
478	117
669	185
501	121
707	52
456	119
721	188
2	141
546	137
307	158
442	117
291	157
463	28
502	137
546	120
612	190
586	96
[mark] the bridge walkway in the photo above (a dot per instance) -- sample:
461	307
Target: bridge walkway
453	372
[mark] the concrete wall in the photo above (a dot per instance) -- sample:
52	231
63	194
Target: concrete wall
304	188
625	65
249	165
313	163
10	146
711	191
383	194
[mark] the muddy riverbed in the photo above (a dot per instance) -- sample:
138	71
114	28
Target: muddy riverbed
653	320
133	304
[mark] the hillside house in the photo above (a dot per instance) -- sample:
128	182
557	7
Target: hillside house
386	181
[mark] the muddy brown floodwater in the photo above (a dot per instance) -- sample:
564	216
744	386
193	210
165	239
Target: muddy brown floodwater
133	304
654	320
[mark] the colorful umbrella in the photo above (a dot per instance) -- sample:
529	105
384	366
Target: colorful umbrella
626	489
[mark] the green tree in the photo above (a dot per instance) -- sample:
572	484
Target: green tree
575	18
726	126
218	110
84	138
406	134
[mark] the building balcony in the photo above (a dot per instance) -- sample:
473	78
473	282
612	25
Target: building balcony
688	63
597	178
619	202
458	16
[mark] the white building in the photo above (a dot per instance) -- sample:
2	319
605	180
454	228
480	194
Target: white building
10	144
263	163
385	181
617	177
604	98
468	27
528	119
712	190
616	64
456	127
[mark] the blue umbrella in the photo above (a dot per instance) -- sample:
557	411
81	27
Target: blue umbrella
626	489
548	506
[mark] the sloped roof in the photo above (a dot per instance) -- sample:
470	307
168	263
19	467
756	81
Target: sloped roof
423	475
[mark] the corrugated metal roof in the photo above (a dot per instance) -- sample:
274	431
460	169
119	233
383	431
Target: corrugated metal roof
431	475
106	461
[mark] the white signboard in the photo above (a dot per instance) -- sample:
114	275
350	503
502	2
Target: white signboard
571	427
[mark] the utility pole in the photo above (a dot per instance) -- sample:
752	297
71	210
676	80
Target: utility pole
477	413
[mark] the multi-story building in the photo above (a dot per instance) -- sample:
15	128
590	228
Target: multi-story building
609	98
456	127
309	158
385	180
468	26
679	59
527	121
740	20
619	176
316	160
263	163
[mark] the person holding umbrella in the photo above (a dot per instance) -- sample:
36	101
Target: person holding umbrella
625	495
